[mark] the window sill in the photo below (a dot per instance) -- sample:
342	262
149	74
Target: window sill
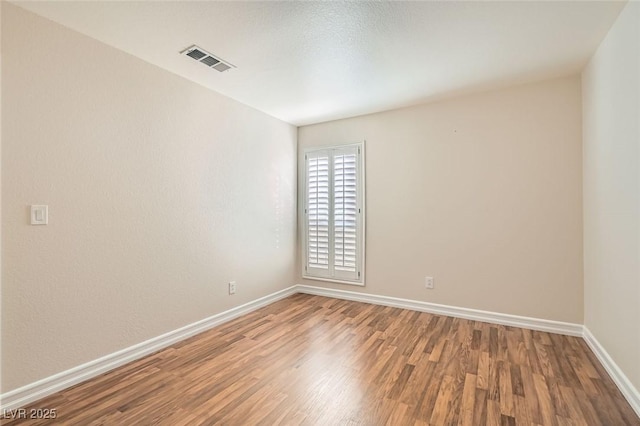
331	280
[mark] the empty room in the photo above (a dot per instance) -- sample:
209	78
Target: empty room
320	213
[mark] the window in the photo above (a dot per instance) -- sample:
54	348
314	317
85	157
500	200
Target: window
334	214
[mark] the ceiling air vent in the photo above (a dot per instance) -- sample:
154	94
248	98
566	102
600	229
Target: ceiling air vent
207	58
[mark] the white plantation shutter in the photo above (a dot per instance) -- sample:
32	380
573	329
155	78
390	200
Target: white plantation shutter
318	212
334	224
345	208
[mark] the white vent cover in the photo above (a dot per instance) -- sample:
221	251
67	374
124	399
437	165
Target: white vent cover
207	58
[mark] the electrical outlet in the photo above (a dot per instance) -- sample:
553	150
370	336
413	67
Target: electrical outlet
428	282
232	287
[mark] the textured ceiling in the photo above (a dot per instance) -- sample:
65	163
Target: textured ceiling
307	62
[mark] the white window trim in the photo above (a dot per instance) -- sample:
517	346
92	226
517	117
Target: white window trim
362	203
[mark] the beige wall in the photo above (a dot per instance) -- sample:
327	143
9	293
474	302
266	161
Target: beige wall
611	90
159	192
483	193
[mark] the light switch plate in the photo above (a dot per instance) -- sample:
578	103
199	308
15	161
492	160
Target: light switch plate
39	214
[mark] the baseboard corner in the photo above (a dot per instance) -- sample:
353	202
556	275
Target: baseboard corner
629	391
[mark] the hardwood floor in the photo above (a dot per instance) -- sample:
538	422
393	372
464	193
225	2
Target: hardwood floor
319	361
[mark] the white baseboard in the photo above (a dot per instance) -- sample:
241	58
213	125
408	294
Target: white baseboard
34	391
629	391
451	311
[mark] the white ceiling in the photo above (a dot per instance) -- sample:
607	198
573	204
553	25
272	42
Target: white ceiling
307	62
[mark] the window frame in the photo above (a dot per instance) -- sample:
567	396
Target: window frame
360	196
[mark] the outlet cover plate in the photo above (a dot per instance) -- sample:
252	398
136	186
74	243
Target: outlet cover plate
39	214
428	282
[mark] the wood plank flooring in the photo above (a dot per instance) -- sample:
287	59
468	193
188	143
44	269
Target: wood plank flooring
319	361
